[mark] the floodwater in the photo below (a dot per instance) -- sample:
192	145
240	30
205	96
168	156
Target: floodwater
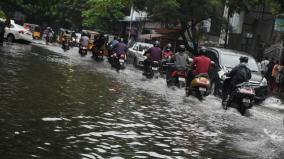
56	104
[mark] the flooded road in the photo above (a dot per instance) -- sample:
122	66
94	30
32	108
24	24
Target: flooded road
60	105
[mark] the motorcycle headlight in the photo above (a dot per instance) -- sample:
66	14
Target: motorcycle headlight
263	83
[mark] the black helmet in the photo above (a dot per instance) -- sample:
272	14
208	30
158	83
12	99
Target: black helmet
243	59
202	51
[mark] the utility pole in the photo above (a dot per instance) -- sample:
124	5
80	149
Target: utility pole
131	18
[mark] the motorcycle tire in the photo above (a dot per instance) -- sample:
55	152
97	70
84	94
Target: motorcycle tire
242	109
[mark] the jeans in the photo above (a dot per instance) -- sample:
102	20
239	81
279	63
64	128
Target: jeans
227	88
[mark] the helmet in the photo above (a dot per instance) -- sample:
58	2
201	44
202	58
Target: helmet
243	59
157	44
169	45
202	51
181	47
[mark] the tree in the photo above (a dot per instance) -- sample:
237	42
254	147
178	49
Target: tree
104	14
2	14
189	13
56	13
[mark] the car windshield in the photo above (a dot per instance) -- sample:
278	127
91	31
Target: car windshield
230	61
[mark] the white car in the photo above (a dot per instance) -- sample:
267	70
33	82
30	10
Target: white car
17	32
136	52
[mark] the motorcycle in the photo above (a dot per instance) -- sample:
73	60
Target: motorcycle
98	54
83	50
177	77
165	63
241	98
66	45
117	61
152	70
199	86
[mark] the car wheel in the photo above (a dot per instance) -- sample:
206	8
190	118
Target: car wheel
10	38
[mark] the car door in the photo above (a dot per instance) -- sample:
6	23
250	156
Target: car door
131	51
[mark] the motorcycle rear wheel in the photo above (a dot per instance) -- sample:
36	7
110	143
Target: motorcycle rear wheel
242	109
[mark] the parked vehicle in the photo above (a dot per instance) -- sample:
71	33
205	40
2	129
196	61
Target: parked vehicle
35	29
17	32
241	98
136	52
225	60
199	87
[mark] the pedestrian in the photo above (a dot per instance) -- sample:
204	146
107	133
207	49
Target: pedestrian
263	65
276	76
2	29
2	32
268	74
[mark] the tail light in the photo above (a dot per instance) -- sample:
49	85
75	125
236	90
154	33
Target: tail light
122	56
21	32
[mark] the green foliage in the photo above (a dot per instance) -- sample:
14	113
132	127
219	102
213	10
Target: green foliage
2	14
104	14
189	13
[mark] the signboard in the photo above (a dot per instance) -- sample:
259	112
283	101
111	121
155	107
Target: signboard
279	23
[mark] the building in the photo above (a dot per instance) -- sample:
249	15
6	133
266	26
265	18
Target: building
252	31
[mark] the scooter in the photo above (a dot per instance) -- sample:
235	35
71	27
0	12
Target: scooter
152	70
65	45
199	87
176	77
98	54
241	98
117	61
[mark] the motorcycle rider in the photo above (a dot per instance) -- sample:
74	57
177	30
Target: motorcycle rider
46	34
120	48
66	39
201	63
180	60
241	73
168	52
84	41
152	54
98	44
112	46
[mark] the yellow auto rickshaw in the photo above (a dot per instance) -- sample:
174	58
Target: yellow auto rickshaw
63	33
92	36
35	29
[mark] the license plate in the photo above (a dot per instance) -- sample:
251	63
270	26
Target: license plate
201	89
181	79
121	60
155	68
245	100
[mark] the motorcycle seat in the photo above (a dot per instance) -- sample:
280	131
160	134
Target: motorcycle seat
205	75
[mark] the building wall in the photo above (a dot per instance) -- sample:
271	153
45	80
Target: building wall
257	29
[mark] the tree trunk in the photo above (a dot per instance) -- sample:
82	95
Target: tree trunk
190	31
